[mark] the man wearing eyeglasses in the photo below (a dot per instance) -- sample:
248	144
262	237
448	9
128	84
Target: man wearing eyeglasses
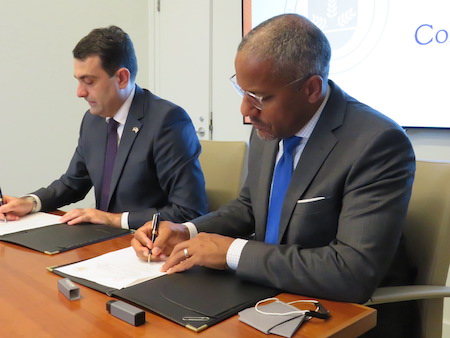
328	185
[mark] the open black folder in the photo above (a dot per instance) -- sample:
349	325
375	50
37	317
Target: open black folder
53	239
196	299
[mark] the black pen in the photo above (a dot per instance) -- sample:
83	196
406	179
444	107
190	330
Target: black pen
1	203
155	226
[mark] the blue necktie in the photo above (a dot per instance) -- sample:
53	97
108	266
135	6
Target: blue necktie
281	179
110	156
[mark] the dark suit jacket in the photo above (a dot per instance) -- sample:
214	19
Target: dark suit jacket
156	168
340	247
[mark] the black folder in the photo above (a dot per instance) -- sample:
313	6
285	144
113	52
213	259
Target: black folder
53	239
196	299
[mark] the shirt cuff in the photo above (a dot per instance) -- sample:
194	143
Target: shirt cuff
124	220
192	229
234	252
38	205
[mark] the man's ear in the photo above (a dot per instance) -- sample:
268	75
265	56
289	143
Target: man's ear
123	77
315	89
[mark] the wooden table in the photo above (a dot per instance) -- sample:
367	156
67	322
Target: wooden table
32	306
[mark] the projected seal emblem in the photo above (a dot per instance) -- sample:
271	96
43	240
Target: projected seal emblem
353	27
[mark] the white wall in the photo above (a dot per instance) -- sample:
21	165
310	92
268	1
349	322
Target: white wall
190	60
227	33
40	114
431	144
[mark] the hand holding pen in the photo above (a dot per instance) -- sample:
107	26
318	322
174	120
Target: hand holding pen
1	203
155	226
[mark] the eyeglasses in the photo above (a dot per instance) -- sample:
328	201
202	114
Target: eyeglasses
257	101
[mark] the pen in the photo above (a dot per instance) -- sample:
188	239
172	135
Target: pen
1	203
155	226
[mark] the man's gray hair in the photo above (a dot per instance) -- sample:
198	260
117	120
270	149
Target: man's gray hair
294	44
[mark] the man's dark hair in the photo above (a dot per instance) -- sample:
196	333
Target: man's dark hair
113	46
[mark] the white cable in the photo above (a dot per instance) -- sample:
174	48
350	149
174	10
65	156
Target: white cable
285	313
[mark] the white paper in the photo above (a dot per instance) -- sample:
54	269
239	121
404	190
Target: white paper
32	221
117	269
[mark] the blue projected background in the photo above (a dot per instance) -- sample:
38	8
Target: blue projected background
392	55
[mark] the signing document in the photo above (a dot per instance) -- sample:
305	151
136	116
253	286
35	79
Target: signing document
27	222
117	269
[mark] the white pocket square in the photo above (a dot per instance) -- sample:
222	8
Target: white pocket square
309	200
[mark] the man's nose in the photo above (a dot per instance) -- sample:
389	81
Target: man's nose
81	91
248	109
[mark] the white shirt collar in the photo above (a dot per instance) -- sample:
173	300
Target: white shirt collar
307	130
122	113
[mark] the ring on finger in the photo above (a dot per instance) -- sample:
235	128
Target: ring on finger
186	253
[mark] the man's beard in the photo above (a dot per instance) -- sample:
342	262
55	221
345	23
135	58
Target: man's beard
257	121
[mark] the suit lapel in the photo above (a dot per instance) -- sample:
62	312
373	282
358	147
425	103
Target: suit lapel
318	148
131	129
99	138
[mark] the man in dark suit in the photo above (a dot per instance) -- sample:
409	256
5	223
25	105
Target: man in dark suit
339	231
156	167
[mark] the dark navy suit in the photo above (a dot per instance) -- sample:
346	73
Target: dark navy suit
156	167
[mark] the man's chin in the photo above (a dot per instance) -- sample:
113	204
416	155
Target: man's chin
97	112
263	135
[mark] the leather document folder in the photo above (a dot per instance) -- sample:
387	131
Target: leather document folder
53	239
196	299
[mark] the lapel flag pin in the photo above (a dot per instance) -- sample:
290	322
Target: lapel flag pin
135	129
